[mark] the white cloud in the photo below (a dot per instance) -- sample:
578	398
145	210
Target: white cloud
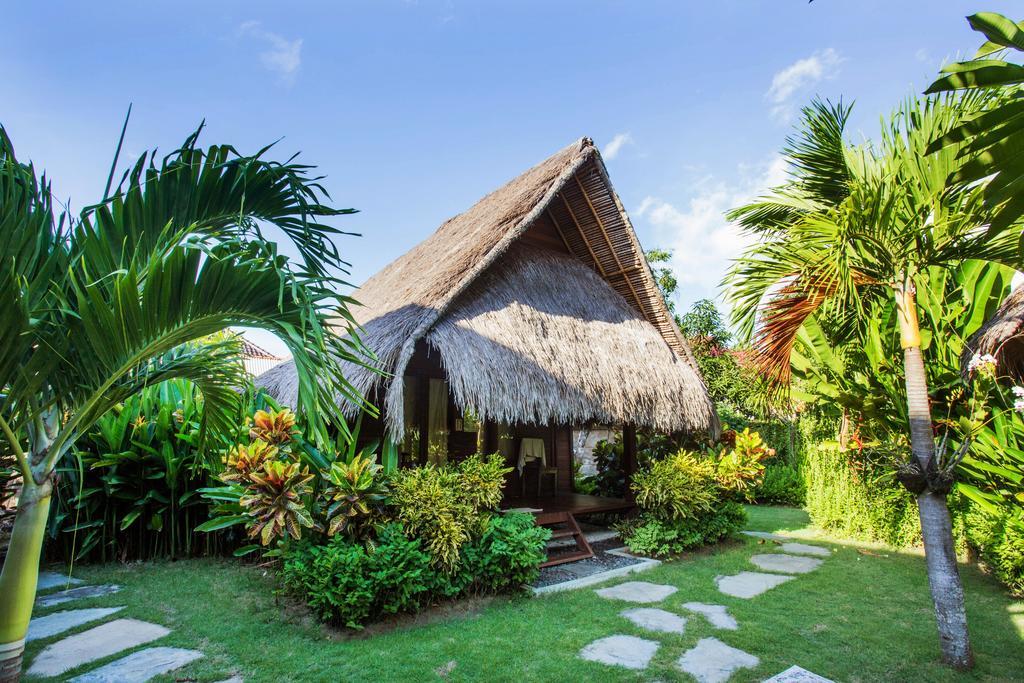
798	77
922	55
702	241
612	149
282	57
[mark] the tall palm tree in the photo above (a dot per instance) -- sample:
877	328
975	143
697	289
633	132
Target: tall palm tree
99	305
854	224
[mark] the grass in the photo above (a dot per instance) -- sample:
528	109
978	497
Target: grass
865	615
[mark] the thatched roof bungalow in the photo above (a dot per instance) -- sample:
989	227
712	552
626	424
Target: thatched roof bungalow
537	310
1002	336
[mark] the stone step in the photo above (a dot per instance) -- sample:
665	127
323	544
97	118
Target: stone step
805	549
96	643
80	593
749	584
717	615
48	580
59	622
657	620
139	667
785	564
637	591
712	661
628	652
796	674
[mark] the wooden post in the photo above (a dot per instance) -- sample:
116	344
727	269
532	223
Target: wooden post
629	457
422	416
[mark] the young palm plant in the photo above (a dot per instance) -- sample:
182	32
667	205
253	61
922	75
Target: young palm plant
99	305
852	225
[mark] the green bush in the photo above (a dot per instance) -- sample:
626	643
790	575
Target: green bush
447	506
683	505
648	535
856	495
349	582
782	485
508	555
679	487
999	541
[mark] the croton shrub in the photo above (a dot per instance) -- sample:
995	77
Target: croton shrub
358	541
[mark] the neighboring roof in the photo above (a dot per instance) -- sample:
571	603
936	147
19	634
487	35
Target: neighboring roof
1002	336
253	351
569	194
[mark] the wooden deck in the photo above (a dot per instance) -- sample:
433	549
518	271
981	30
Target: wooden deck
575	503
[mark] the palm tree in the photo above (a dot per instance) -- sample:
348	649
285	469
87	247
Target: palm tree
852	225
99	305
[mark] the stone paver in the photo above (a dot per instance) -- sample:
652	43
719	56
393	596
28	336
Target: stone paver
60	597
749	584
96	643
787	564
233	679
58	622
654	619
805	549
765	535
795	674
140	666
625	651
48	580
717	615
712	661
638	591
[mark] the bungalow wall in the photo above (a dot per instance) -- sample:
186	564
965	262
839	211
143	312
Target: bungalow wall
465	438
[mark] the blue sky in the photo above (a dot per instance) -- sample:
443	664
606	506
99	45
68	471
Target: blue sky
415	108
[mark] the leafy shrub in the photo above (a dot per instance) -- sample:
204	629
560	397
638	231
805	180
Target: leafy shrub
651	536
856	495
333	579
508	554
782	485
999	540
348	582
447	506
741	468
680	487
355	491
682	506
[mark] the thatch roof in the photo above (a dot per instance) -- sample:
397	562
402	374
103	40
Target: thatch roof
436	292
1002	336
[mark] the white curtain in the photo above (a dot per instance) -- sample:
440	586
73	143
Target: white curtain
437	421
411	442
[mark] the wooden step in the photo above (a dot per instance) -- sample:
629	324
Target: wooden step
567	557
561	533
571	529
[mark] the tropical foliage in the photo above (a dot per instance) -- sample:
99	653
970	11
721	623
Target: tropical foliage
991	140
101	304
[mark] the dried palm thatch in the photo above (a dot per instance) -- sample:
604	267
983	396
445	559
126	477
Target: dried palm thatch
1002	336
437	292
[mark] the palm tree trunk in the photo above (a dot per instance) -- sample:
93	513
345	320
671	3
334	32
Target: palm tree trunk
936	526
20	574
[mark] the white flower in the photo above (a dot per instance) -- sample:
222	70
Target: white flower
1018	392
1018	405
982	362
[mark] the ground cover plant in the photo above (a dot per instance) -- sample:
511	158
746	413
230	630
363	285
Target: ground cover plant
843	634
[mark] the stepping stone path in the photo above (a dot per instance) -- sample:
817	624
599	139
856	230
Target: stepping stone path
61	597
48	580
712	661
795	674
625	651
58	622
655	619
96	643
140	666
638	591
717	615
786	564
749	584
100	641
804	549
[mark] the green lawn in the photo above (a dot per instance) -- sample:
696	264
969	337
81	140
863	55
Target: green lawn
861	617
